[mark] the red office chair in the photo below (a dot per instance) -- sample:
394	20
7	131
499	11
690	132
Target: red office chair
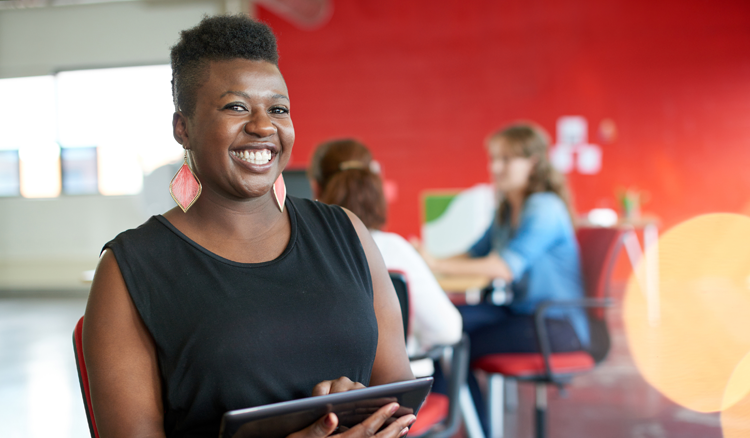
83	377
440	414
599	248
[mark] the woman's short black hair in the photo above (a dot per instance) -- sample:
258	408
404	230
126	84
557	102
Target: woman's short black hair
216	38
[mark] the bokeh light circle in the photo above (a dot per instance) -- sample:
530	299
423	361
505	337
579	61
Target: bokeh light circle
735	416
703	328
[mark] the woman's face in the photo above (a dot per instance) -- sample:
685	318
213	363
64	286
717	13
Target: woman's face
241	132
509	171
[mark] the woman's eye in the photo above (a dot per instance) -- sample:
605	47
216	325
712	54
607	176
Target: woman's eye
235	107
279	110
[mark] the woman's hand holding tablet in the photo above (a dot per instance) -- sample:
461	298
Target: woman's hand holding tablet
342	384
341	407
328	425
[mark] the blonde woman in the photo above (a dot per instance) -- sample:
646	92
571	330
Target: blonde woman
531	245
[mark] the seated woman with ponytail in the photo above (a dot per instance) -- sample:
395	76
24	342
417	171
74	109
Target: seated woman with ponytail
343	173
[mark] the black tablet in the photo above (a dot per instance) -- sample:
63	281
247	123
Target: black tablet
351	407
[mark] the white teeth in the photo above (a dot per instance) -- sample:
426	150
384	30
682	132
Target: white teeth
259	157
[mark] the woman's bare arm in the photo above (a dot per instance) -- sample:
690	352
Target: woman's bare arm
491	265
391	362
120	359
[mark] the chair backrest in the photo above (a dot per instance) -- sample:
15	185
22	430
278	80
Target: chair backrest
599	249
401	286
83	376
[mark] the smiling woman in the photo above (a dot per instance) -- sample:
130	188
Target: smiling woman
236	301
241	109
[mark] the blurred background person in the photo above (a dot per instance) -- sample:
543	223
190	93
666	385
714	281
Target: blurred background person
531	245
342	172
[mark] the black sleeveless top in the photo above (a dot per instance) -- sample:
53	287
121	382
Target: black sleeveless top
232	335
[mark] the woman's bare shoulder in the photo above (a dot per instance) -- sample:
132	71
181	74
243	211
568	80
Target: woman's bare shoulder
120	359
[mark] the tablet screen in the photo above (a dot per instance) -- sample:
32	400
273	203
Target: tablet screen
351	407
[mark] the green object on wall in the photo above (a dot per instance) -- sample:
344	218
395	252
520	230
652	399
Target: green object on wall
436	205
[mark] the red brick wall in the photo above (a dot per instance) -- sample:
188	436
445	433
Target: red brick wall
423	82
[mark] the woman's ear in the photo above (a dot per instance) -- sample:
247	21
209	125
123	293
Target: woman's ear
180	130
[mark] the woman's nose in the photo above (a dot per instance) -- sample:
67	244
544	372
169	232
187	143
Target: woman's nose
260	125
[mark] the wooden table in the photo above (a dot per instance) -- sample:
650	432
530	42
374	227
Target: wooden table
463	289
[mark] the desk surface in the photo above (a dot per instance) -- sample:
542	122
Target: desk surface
462	283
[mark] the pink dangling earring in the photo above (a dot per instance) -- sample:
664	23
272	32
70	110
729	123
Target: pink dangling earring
185	187
279	192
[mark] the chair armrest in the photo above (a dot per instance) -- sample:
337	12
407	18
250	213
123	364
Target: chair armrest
541	330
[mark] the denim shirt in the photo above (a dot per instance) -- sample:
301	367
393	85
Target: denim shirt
542	253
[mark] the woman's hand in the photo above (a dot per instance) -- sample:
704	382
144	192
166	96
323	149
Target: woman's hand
326	426
370	425
342	384
492	265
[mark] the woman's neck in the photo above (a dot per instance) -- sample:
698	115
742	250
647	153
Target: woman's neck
251	232
515	200
231	219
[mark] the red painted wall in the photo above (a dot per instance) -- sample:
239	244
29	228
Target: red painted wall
423	82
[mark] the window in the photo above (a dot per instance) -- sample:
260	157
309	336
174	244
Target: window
9	181
39	170
127	114
85	131
28	124
79	175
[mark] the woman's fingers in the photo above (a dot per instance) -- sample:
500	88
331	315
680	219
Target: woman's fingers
322	388
370	424
399	427
342	384
370	427
324	427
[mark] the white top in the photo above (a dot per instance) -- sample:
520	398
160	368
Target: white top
433	320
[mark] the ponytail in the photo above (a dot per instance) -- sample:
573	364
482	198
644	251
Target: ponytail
360	191
347	176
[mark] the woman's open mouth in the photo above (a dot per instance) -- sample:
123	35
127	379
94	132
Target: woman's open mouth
260	157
